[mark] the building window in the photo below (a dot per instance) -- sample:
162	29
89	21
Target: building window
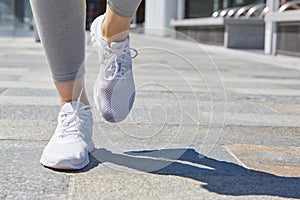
15	13
198	8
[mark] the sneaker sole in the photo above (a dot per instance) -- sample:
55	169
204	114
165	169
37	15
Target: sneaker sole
65	165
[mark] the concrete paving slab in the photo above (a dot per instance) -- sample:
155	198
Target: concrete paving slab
260	135
132	137
190	177
250	119
26	84
282	161
9	78
46	77
147	135
276	92
255	157
24	92
283	108
194	104
264	98
22	176
238	80
295	86
2	90
29	100
126	186
147	186
28	112
12	71
27	129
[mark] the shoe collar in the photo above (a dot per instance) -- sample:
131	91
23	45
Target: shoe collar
71	106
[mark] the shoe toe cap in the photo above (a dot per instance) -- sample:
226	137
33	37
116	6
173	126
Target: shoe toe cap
63	159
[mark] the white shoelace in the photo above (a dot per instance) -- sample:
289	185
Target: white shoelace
115	59
73	119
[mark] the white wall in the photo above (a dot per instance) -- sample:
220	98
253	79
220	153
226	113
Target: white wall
158	14
270	28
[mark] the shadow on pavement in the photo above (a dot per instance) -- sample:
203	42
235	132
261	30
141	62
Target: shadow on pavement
216	176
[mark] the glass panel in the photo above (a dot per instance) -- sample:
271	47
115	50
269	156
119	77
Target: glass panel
204	8
246	2
288	38
16	18
28	17
6	14
199	8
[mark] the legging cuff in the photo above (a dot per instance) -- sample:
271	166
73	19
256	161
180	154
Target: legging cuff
69	77
123	8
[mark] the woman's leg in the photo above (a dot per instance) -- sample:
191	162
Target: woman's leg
61	26
114	89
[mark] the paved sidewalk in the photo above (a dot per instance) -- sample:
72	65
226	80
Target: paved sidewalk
208	123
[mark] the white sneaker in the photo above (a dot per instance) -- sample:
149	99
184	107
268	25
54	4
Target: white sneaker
71	143
114	89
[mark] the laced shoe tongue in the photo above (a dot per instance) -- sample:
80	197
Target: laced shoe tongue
68	107
119	47
74	104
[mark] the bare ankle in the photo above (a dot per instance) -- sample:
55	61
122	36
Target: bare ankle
112	35
63	102
115	28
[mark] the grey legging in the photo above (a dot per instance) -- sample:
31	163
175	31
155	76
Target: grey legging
61	25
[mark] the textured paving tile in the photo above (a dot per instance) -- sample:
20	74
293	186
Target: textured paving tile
295	86
282	161
126	186
22	177
26	129
26	84
277	92
145	136
146	186
283	108
47	113
9	78
193	104
213	114
2	90
30	92
250	119
241	80
257	135
28	101
262	116
160	114
189	177
284	99
281	76
12	71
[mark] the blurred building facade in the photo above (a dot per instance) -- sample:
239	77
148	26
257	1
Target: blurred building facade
17	14
272	25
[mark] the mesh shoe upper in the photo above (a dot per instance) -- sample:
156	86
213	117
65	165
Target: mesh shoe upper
114	89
